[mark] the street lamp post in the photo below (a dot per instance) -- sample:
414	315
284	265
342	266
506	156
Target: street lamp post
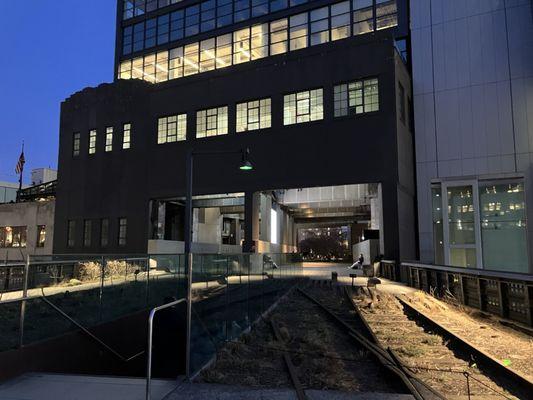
245	165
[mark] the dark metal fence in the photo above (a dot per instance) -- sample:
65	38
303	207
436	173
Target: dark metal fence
507	294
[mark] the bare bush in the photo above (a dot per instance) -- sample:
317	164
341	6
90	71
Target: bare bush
91	271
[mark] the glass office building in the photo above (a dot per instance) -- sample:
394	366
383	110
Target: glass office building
472	79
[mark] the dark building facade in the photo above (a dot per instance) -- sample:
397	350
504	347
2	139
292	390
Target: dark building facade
318	95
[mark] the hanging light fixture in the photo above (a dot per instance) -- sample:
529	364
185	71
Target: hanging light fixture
246	165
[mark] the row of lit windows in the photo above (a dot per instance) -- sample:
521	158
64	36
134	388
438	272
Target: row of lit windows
353	98
358	97
16	236
87	238
192	20
126	140
258	41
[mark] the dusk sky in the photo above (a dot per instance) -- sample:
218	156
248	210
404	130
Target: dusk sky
51	49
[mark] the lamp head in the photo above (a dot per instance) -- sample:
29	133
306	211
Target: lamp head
246	165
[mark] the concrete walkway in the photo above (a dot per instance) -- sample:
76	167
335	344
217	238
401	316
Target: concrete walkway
80	387
203	391
36	386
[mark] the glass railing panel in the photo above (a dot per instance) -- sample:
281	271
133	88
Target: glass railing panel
9	325
167	278
237	318
126	287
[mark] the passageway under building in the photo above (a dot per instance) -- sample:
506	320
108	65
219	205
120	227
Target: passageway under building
327	223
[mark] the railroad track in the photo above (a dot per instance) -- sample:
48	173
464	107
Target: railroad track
520	385
470	372
337	307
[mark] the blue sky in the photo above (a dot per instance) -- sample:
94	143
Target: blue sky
50	49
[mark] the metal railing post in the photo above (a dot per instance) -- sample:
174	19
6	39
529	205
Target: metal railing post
23	302
101	295
150	343
189	316
147	281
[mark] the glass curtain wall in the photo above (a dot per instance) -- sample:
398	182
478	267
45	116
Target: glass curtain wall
503	226
480	225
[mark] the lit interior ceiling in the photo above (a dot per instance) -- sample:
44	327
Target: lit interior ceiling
345	203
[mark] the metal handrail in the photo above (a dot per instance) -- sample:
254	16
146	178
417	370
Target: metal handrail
150	337
91	335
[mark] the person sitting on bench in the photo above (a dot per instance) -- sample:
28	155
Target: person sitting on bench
359	263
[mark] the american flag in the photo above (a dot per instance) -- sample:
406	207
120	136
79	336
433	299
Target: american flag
20	165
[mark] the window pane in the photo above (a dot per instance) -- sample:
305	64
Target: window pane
461	215
503	226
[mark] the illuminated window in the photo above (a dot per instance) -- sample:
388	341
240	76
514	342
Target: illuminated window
357	97
303	107
363	16
207	55
122	231
212	122
340	20
298	31
92	141
71	232
241	46
87	230
190	59
149	68
172	129
104	232
126	136
259	41
76	144
386	14
13	236
161	67
109	139
253	115
246	44
319	26
137	68
41	236
223	51
125	70
278	37
175	64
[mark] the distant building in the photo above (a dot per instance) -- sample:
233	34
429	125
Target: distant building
8	192
473	108
26	228
43	175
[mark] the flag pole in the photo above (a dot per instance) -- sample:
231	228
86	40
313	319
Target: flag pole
20	176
